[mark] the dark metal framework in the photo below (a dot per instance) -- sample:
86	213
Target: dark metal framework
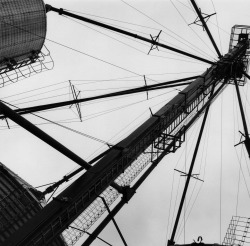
163	133
155	134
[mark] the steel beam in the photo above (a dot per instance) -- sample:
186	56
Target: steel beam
112	218
8	112
154	42
66	178
159	86
206	27
189	175
247	75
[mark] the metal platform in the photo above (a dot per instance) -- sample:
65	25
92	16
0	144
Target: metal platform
239	33
238	232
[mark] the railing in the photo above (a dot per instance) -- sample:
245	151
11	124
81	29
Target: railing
238	232
146	149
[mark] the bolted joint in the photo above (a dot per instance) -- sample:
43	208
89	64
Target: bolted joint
60	11
171	242
65	178
49	190
48	8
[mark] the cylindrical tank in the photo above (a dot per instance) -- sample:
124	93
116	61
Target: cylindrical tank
22	30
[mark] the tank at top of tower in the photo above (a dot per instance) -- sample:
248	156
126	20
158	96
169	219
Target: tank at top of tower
22	34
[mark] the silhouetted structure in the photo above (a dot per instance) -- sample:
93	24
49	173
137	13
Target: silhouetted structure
19	202
119	171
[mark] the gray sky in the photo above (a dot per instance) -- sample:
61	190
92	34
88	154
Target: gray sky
145	220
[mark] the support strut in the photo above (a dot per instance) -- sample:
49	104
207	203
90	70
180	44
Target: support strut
247	139
206	27
75	228
189	176
159	86
116	226
133	35
11	114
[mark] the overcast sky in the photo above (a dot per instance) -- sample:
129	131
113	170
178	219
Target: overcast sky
94	54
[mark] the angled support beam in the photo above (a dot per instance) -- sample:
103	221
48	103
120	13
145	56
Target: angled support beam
247	75
159	86
206	27
116	226
133	35
11	114
189	175
104	223
66	178
247	139
78	229
120	205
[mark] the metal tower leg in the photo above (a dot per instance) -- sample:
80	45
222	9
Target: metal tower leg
189	175
116	226
247	139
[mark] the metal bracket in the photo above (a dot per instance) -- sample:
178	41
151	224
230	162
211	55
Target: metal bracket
198	22
192	175
154	115
166	140
246	141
